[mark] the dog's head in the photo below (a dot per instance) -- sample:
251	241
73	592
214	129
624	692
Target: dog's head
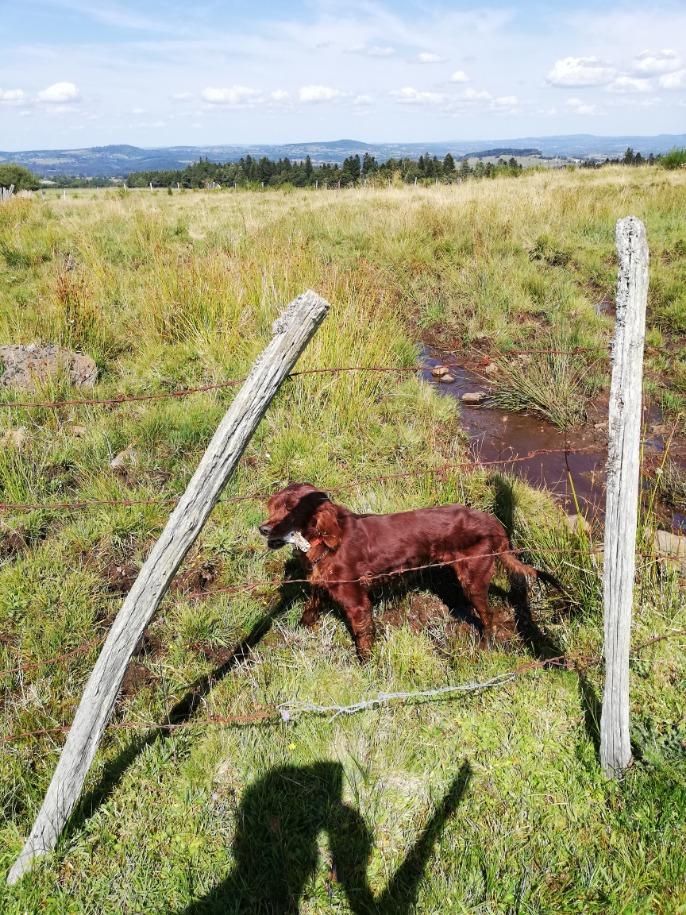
301	509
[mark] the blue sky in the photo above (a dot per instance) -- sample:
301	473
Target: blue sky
90	72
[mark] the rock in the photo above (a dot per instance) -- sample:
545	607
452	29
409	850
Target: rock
124	460
491	369
15	438
475	397
669	544
439	370
25	366
577	524
447	379
79	431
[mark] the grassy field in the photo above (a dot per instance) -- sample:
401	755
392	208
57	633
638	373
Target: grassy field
492	802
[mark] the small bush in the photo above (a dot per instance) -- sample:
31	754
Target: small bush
675	158
20	177
553	386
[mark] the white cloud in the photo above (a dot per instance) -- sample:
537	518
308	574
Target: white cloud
459	76
505	101
318	93
629	84
182	96
652	63
363	100
408	95
673	80
476	95
374	50
59	94
580	107
580	71
11	96
138	111
231	96
279	95
428	57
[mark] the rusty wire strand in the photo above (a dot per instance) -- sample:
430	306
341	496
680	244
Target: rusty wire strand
258	496
118	399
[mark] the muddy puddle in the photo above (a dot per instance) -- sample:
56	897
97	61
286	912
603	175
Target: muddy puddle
572	465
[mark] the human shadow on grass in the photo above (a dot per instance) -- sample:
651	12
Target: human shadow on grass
183	710
276	854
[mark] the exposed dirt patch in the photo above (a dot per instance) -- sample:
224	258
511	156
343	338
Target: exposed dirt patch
418	611
218	655
150	645
198	578
120	576
13	542
137	677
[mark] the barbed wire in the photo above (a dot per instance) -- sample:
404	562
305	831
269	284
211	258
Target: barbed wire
290	710
258	496
274	583
122	398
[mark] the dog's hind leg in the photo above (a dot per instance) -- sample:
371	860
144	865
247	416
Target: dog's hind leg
474	574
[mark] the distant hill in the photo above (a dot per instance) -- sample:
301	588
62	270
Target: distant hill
120	160
501	152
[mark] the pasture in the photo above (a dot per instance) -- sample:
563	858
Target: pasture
489	802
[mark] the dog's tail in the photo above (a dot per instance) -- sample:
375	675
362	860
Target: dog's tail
516	568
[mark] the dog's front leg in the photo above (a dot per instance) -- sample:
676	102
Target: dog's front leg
312	610
361	621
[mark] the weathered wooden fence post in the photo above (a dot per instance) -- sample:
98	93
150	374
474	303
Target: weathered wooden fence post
623	469
292	332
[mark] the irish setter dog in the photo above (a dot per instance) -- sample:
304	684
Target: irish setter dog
347	556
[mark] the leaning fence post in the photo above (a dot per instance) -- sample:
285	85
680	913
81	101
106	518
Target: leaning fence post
292	332
623	468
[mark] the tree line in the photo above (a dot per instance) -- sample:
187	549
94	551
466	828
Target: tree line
253	172
250	171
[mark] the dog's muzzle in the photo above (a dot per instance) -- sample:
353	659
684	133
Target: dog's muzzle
295	538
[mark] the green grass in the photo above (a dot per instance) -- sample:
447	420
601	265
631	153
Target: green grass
552	385
489	803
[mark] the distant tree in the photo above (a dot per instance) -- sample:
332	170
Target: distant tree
352	168
465	170
628	156
448	165
369	164
20	177
308	167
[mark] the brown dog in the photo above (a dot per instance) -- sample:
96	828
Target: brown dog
346	556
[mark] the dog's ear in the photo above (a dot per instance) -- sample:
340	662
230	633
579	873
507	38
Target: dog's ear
328	525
